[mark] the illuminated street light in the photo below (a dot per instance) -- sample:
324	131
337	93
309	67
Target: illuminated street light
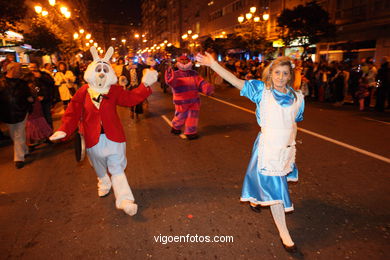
95	44
99	48
189	31
165	41
45	13
265	17
144	40
143	35
63	10
52	2
38	9
162	44
81	31
88	36
184	36
87	44
252	9
240	19
67	15
91	41
195	36
248	16
169	44
75	35
158	47
113	39
256	19
124	40
101	51
136	35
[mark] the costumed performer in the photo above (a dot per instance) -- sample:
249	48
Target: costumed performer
272	165
93	109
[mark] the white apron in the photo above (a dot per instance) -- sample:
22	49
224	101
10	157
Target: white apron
278	131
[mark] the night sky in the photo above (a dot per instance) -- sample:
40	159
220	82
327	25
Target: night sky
115	11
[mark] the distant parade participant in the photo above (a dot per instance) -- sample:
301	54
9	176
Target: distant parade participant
272	164
64	79
186	85
93	109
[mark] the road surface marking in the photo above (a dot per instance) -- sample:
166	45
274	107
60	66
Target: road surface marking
356	149
170	124
371	119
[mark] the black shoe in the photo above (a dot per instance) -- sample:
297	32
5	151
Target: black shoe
192	136
19	164
256	208
175	131
293	250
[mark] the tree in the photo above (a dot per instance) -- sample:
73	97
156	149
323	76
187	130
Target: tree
307	24
252	36
40	37
11	12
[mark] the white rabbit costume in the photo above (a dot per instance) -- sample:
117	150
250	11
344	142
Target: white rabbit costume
93	110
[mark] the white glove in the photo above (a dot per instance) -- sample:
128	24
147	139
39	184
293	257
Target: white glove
57	135
150	77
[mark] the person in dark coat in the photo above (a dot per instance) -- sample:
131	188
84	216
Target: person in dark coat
15	102
383	90
46	87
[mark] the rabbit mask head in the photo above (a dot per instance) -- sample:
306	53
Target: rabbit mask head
99	74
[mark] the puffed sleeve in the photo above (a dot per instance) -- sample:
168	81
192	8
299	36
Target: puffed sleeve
253	89
299	117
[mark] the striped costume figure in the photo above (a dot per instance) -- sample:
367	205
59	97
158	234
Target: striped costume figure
186	85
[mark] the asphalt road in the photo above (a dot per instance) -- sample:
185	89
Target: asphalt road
50	209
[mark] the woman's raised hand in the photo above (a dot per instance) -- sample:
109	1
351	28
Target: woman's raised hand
205	60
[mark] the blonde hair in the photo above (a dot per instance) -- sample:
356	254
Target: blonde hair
280	61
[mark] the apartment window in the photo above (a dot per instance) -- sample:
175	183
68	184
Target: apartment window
238	5
215	15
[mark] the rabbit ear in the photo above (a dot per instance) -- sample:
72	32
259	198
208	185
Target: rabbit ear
108	55
94	53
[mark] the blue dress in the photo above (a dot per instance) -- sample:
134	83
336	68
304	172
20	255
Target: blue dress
263	189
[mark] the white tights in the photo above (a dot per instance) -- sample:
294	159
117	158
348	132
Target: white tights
280	221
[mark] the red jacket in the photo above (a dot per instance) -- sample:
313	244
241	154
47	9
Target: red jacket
81	109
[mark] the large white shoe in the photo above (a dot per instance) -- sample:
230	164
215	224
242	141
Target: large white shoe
104	185
129	207
124	196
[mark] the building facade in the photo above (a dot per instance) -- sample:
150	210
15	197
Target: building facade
363	26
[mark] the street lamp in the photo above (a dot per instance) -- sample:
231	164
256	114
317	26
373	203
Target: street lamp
52	2
67	15
88	36
81	31
45	13
248	16
38	9
75	35
252	20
